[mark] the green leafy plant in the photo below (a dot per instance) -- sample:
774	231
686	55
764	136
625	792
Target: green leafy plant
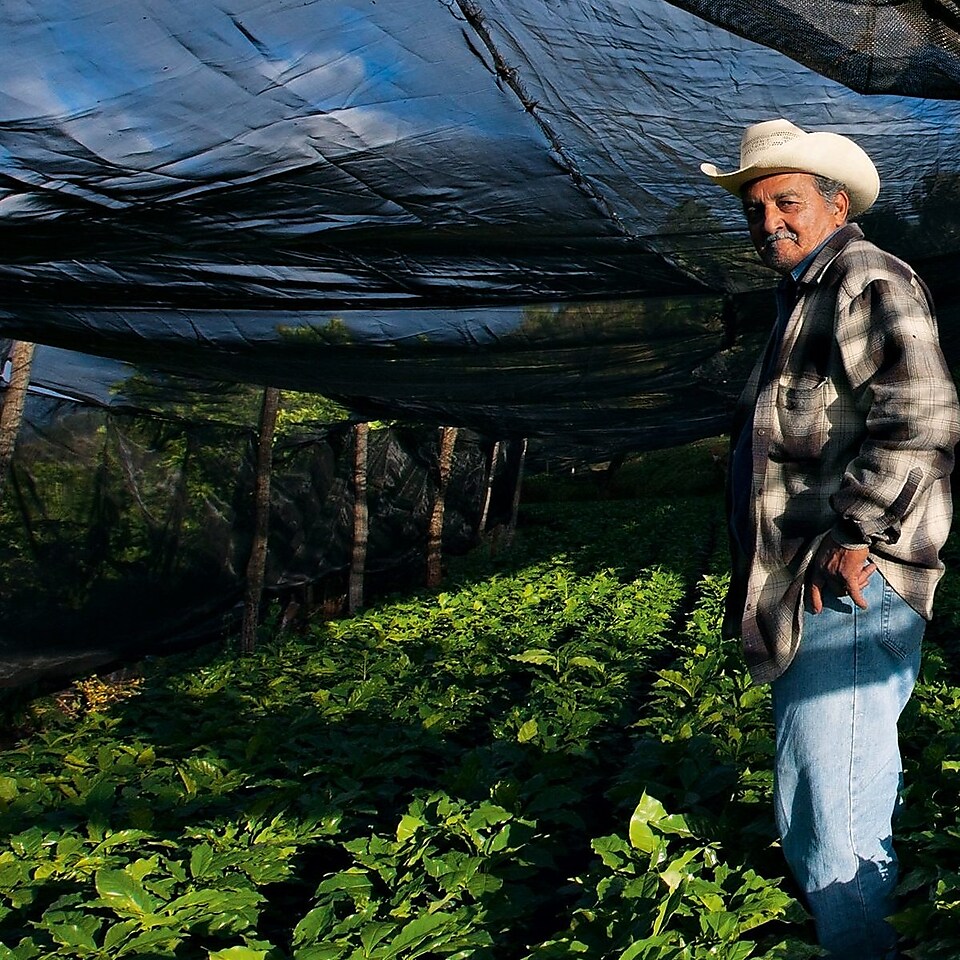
556	756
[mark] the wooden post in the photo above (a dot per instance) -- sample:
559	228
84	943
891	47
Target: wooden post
448	438
361	526
258	549
14	400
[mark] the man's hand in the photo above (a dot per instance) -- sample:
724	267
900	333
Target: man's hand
840	570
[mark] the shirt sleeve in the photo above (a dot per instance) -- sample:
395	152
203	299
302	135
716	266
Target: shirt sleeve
891	353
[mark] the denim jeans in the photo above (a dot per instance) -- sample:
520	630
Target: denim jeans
838	771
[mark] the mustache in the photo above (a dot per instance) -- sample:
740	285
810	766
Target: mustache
779	235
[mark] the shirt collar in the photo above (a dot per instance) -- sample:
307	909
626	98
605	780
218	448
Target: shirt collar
814	263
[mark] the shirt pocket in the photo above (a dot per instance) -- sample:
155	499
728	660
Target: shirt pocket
803	427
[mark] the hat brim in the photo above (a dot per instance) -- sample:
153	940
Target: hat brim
819	154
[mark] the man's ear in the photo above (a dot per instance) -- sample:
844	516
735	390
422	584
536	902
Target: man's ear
841	206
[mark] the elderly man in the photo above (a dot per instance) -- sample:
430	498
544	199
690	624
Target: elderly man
839	497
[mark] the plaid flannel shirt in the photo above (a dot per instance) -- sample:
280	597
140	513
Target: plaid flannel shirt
853	430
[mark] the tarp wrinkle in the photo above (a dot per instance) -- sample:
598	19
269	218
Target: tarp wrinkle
392	203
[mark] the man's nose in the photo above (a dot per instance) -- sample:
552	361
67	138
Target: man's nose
772	219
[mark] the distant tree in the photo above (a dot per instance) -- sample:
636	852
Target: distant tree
299	410
178	397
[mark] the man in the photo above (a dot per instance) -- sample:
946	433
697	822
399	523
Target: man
839	496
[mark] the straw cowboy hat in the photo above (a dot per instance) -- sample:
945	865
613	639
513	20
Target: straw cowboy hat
777	146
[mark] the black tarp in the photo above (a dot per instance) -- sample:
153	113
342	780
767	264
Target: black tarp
311	194
482	213
907	47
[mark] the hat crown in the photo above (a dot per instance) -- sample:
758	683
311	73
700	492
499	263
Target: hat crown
761	137
779	146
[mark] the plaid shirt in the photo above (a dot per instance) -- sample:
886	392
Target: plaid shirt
854	418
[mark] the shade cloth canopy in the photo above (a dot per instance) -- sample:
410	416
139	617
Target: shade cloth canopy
417	207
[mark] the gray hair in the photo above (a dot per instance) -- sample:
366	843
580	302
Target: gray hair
827	188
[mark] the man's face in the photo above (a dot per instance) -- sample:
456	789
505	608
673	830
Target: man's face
788	217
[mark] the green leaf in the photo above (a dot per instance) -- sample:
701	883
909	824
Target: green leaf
118	932
482	883
528	731
321	951
354	883
143	867
121	837
149	944
124	894
189	783
612	850
28	843
667	909
408	826
678	679
488	814
645	948
675	873
75	934
318	921
722	924
201	860
793	950
238	953
641	835
535	656
674	824
374	933
415	933
649	808
589	662
739	951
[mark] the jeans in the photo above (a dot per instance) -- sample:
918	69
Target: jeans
838	770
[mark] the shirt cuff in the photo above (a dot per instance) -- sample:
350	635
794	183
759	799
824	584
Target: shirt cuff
846	535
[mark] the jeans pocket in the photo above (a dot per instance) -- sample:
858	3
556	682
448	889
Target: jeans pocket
901	626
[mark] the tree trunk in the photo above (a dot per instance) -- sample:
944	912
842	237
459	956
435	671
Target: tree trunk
608	475
512	529
361	526
448	438
258	549
488	491
14	399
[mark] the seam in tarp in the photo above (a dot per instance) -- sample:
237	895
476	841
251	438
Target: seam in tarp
511	77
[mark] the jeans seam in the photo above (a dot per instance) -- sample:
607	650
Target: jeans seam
886	602
853	787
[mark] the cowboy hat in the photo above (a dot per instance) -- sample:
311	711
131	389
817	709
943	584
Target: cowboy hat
777	146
